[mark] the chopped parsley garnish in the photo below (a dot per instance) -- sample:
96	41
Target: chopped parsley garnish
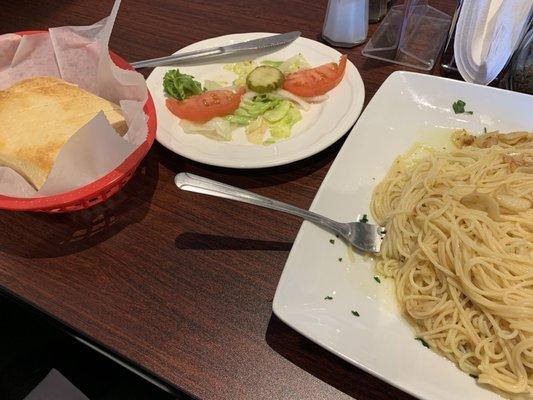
474	376
328	298
337	236
364	219
376	278
340	259
332	241
459	108
355	313
424	343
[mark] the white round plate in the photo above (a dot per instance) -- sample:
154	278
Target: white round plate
321	126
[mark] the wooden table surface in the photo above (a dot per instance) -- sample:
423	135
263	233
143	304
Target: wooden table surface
177	284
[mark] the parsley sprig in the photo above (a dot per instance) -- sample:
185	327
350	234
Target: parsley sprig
459	108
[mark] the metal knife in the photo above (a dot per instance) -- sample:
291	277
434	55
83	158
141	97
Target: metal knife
249	45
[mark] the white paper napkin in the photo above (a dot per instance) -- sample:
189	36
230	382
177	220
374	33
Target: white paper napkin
487	33
79	55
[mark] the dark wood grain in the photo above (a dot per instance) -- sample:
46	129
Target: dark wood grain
179	284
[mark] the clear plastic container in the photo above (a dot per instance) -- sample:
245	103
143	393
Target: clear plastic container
411	34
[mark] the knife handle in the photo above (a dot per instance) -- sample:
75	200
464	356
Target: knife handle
187	56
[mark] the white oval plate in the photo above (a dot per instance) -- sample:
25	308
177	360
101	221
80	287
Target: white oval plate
320	127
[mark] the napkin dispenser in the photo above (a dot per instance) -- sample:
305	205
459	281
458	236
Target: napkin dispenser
411	34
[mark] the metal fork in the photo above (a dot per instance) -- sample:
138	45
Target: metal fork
363	236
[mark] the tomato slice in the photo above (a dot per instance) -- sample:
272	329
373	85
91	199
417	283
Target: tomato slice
203	107
316	81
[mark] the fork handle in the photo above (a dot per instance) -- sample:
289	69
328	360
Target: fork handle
198	184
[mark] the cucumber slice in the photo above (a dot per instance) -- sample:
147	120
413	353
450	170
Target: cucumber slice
277	113
265	79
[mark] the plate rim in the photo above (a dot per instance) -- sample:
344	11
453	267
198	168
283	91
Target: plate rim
277	308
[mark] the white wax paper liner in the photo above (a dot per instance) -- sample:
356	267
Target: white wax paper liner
79	55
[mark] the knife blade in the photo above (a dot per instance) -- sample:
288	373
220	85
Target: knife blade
249	45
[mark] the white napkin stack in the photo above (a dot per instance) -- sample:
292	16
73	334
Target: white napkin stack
487	34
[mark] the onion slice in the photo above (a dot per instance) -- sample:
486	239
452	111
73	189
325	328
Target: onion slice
304	105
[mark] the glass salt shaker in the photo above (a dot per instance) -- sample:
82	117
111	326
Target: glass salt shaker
346	22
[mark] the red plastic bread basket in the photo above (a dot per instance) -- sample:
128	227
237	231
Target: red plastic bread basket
99	190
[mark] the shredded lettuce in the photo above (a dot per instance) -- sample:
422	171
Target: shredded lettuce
214	85
271	63
293	64
216	128
255	132
266	111
180	86
281	129
249	110
277	113
242	69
